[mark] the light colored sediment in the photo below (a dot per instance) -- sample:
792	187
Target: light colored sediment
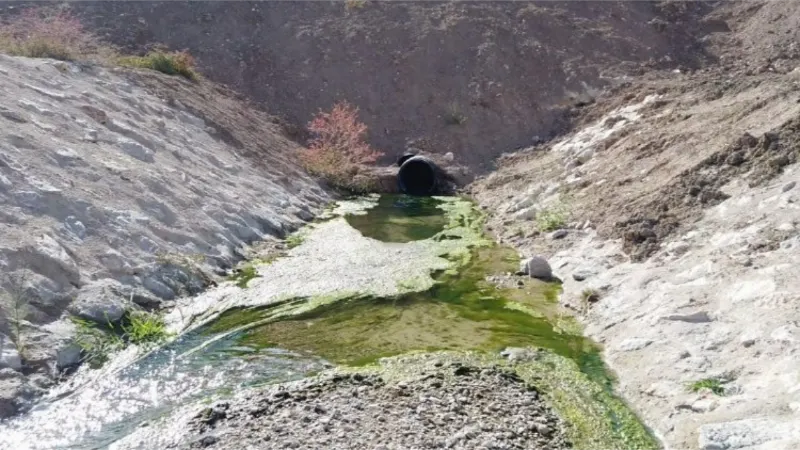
111	197
719	296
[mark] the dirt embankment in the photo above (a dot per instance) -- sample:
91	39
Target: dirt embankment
675	208
474	78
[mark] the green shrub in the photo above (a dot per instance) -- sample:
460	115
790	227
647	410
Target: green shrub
244	275
170	63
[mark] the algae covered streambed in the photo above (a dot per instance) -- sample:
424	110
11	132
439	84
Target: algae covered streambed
372	278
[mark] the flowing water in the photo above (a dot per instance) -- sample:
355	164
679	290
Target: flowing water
246	346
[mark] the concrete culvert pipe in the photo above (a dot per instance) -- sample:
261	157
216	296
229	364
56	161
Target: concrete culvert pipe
417	176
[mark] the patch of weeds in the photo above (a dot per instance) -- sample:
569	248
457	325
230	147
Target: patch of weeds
454	116
144	328
171	63
715	385
98	341
294	240
354	4
244	275
552	218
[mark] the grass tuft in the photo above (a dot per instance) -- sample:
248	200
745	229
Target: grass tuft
98	341
551	219
170	63
354	4
244	275
144	328
715	385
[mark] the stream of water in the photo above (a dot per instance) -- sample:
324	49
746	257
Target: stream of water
461	311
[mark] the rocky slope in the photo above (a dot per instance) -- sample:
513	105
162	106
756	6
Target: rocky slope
120	191
474	78
679	196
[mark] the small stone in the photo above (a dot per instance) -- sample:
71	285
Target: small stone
695	317
789	186
90	135
537	267
632	344
544	430
558	234
208	441
582	274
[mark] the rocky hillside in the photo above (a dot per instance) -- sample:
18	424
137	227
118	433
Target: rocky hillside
475	78
119	191
671	215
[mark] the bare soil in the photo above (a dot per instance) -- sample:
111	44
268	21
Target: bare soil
473	78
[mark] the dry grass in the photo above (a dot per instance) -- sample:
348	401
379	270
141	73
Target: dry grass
170	63
52	32
351	5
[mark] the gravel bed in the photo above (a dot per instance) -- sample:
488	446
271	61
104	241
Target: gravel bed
451	406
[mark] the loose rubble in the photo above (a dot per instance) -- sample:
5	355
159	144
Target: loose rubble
449	406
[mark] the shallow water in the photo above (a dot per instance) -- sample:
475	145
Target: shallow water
99	408
400	218
461	311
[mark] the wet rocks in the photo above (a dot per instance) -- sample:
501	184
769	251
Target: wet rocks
101	302
9	356
537	267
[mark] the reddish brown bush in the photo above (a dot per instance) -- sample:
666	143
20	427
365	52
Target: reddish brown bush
50	33
338	147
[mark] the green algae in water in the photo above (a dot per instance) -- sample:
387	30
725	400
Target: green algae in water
400	218
461	312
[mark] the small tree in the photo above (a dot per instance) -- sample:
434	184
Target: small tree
338	147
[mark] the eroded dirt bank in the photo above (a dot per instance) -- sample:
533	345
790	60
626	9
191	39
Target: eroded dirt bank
672	216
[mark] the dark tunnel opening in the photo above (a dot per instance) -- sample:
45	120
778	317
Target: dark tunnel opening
417	176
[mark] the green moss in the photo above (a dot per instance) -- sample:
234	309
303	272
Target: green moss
461	312
244	275
581	393
294	240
